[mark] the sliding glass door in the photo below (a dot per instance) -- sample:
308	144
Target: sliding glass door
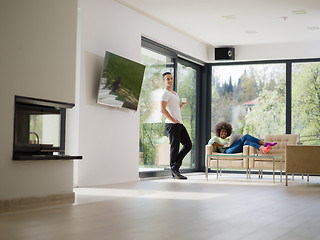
258	98
186	88
154	142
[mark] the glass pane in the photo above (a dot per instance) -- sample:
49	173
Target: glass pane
45	129
251	97
186	88
306	102
154	144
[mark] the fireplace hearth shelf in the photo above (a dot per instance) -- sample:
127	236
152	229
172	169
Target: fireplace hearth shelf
40	152
45	157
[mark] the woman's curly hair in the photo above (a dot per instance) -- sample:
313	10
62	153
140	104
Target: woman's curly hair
223	125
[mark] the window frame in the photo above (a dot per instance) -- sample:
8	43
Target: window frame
288	63
203	95
208	89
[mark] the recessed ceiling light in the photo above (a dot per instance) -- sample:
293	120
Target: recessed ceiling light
229	17
299	12
251	31
313	28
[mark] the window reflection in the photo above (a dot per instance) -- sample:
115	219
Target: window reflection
187	77
154	144
45	129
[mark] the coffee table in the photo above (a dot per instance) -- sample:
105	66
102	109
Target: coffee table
223	157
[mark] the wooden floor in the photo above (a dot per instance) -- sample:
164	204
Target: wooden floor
230	208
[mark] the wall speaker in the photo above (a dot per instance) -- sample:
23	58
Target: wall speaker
224	53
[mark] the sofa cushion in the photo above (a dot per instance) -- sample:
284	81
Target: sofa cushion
283	140
277	151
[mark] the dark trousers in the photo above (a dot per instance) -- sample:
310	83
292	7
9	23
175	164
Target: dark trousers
178	134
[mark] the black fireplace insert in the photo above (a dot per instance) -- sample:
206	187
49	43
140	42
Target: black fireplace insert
39	129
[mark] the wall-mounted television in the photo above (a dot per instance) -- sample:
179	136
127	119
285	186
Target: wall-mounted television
120	82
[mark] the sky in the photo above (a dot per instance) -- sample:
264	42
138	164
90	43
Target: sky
223	73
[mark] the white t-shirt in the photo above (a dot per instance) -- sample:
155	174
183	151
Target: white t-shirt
173	104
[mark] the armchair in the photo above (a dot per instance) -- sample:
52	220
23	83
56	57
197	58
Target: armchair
236	162
302	159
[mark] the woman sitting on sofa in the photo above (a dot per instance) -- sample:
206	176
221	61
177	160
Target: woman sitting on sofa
223	130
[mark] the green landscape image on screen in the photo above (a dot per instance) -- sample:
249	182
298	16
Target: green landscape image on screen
121	81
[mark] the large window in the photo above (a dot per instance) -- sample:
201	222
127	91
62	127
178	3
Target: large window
258	98
251	97
306	102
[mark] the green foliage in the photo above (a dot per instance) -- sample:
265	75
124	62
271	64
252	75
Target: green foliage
256	104
187	89
121	79
150	132
36	125
306	102
262	91
267	116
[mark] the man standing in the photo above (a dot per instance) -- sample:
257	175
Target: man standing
171	109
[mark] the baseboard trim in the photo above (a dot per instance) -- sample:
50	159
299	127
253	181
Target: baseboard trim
27	203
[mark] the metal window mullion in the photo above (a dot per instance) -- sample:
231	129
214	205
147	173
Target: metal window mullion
288	97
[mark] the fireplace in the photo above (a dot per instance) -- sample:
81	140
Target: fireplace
39	129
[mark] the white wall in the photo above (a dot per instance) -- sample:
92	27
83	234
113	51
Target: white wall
37	60
109	137
298	50
38	42
279	51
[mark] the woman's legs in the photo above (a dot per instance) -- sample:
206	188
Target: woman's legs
257	144
237	147
247	139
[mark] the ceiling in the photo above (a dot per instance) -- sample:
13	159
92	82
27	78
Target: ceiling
234	22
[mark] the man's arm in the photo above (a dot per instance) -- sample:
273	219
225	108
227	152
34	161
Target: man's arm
165	112
182	104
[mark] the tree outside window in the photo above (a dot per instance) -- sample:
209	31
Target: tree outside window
306	102
251	97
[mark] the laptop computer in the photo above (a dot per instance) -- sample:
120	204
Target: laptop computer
234	138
